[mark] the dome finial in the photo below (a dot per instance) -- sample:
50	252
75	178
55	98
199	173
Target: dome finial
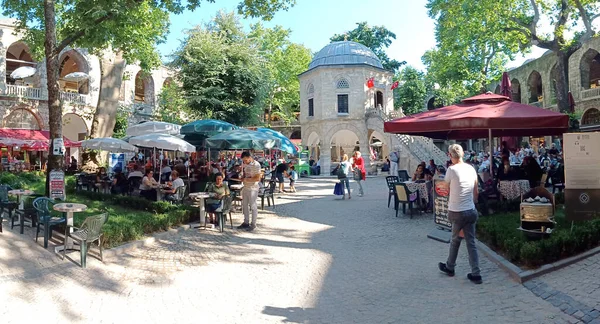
346	37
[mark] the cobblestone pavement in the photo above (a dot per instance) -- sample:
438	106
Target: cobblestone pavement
313	259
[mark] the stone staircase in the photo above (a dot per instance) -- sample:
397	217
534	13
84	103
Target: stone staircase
419	148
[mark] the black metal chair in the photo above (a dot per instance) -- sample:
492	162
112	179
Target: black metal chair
403	175
558	179
5	203
27	213
134	186
391	182
268	194
405	197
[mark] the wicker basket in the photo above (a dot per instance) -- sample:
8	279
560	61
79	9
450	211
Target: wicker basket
532	212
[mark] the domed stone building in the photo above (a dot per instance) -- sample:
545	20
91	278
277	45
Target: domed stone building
336	104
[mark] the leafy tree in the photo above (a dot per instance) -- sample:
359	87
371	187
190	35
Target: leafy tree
411	93
517	23
283	61
219	70
377	38
130	26
122	120
173	106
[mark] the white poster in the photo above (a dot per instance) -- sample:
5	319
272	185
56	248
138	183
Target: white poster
58	147
582	160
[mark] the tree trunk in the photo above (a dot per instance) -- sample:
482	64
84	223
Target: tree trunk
55	162
112	66
562	81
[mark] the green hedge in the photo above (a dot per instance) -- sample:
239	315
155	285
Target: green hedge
499	232
132	202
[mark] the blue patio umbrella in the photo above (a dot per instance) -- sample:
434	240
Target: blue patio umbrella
243	139
286	144
206	127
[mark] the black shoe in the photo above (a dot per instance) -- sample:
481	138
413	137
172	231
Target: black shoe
251	228
244	225
444	269
475	279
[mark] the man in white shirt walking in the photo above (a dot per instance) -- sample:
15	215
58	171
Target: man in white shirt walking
251	175
462	181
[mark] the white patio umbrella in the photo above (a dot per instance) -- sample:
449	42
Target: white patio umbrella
23	72
162	142
76	76
153	127
108	144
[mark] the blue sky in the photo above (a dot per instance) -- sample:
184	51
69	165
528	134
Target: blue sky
313	22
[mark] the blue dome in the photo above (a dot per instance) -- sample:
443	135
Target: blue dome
345	53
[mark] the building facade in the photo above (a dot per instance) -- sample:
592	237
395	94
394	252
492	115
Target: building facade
23	101
335	100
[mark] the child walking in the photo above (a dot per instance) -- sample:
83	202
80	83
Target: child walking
293	177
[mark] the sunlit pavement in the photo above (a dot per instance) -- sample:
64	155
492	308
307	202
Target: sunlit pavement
313	259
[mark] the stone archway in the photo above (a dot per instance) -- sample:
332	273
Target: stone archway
516	90
22	118
590	119
344	141
535	87
72	61
144	88
589	67
18	55
379	144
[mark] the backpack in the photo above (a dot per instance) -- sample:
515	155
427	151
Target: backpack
341	174
294	175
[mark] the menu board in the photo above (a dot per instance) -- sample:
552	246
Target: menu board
582	160
57	184
440	203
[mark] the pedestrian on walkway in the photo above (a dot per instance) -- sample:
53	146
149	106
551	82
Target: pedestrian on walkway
344	173
360	174
394	159
461	179
251	175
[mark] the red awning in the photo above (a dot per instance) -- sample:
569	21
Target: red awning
474	117
32	135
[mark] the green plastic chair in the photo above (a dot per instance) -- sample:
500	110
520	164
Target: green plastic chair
45	218
225	210
5	203
89	232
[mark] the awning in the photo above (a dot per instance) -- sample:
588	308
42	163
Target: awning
31	135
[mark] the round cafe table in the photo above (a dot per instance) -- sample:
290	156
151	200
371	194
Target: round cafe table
69	209
200	196
19	193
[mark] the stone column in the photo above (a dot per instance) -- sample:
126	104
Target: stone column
366	155
325	161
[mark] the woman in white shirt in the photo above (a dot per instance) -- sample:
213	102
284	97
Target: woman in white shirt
148	186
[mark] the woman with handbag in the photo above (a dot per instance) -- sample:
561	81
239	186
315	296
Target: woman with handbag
342	173
360	174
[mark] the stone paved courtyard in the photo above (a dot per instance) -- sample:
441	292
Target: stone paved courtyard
313	259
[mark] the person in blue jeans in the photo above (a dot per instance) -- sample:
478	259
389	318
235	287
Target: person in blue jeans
347	171
461	179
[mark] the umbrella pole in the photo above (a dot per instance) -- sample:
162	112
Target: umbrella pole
491	154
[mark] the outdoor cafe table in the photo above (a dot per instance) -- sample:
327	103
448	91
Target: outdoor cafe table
421	187
69	209
200	196
19	193
513	189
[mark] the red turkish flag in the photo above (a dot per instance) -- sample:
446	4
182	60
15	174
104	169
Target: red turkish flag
395	85
371	82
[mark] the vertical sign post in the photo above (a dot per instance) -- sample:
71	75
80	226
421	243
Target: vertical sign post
440	212
57	184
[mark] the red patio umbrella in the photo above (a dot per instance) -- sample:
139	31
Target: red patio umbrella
479	117
36	146
505	87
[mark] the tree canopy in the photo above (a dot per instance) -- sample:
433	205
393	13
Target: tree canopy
411	93
377	38
511	26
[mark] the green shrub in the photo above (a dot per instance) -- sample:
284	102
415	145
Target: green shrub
500	233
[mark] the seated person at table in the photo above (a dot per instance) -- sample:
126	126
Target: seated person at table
235	173
148	186
73	165
119	183
136	172
218	191
101	176
505	172
422	173
176	183
531	171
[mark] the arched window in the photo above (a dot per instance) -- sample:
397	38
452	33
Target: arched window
591	117
144	88
497	91
590	69
17	55
516	90
535	87
311	90
343	84
71	62
167	82
311	100
378	99
21	119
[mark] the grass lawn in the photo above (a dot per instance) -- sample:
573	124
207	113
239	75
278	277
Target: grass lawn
499	232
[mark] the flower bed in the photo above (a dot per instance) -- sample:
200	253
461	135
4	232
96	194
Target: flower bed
499	232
